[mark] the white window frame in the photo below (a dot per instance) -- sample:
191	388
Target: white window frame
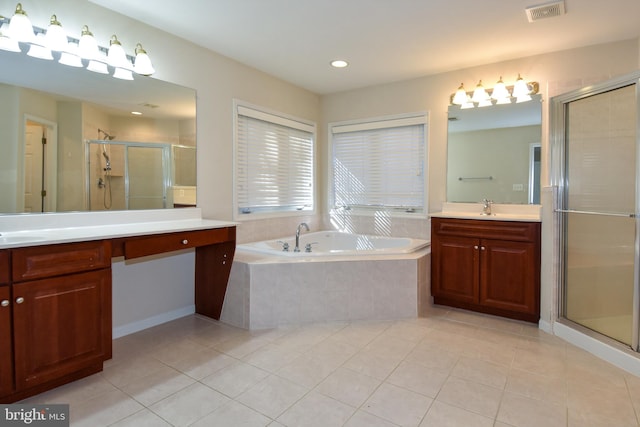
419	118
278	118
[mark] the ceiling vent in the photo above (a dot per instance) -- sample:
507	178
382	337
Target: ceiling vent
546	10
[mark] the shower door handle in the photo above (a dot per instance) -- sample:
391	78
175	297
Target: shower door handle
622	215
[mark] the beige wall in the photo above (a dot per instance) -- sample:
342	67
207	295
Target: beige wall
557	73
218	80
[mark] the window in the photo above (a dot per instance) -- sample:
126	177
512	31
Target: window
273	163
379	164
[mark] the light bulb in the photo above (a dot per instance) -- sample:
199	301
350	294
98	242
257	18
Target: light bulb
20	28
88	46
460	97
142	64
479	94
116	57
56	38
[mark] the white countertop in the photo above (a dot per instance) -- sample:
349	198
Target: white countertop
499	212
44	229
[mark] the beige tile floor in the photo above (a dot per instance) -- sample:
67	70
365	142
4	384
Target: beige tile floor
453	368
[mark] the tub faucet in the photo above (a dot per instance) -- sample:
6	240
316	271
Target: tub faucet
302	224
486	207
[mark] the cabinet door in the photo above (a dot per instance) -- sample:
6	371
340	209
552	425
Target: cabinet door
454	263
59	325
6	348
508	272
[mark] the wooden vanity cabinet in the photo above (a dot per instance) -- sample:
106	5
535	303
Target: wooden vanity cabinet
55	316
486	265
60	314
6	345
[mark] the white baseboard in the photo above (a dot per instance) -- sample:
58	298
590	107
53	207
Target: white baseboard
628	361
545	326
149	322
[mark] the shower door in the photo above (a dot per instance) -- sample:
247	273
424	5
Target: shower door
597	210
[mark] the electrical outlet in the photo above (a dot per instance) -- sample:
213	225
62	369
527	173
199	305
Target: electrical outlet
518	187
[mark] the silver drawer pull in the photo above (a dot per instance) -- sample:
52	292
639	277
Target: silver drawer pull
483	248
185	241
475	247
19	300
5	303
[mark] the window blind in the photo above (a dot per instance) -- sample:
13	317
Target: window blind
380	164
274	163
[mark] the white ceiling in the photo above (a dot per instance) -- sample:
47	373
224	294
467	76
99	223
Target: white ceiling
383	40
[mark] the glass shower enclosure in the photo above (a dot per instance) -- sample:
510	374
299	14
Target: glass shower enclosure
128	175
596	162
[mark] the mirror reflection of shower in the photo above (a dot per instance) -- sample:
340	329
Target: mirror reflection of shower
122	175
105	185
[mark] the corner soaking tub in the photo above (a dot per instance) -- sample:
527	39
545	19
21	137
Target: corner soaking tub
344	277
332	243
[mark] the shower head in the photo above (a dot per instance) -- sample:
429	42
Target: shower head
107	137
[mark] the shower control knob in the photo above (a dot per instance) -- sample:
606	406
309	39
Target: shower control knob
185	241
19	300
4	303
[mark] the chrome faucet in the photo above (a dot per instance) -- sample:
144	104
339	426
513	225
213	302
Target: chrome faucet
486	207
302	224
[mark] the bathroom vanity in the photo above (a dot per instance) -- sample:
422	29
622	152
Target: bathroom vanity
55	293
487	263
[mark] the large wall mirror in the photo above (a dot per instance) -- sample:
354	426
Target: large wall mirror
110	144
493	153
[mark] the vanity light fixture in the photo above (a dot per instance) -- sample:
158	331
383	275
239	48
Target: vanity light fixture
56	38
480	94
460	98
20	28
71	56
87	46
521	91
6	42
142	64
500	92
39	48
69	50
520	87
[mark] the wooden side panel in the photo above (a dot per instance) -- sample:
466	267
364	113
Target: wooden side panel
4	267
6	347
61	326
213	266
55	260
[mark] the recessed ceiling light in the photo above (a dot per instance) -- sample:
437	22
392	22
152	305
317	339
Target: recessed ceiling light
339	63
136	113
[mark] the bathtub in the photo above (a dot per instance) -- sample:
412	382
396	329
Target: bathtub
332	243
344	277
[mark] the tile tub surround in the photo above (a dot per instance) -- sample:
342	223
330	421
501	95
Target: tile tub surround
266	292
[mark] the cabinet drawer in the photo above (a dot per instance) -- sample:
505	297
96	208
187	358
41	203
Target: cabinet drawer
4	267
55	260
152	245
490	229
